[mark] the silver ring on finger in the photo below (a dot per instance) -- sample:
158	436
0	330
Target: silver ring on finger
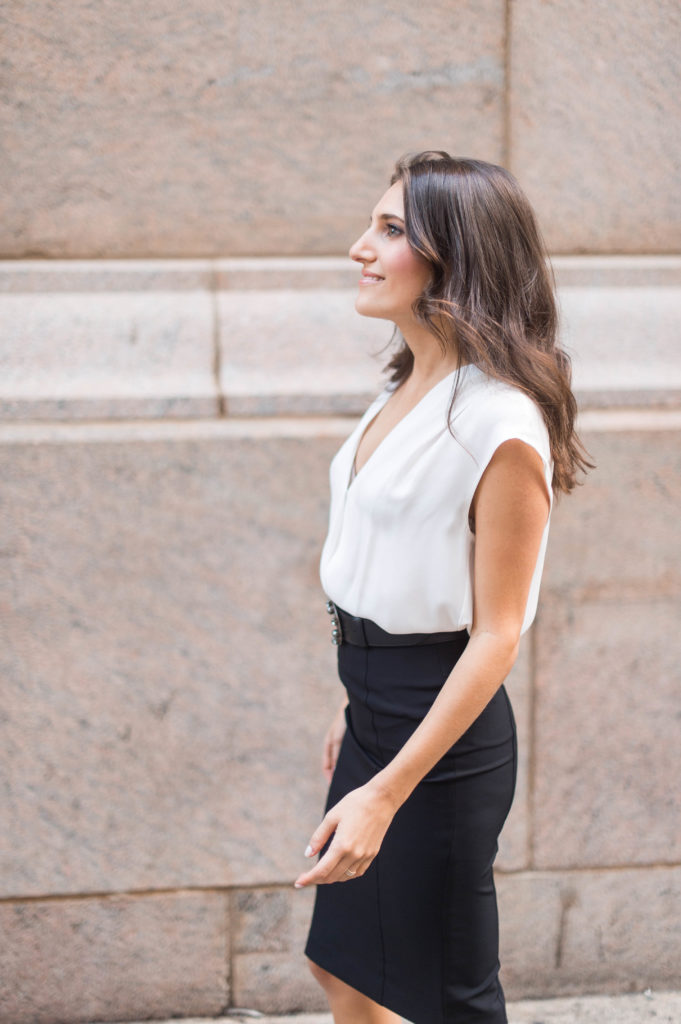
350	872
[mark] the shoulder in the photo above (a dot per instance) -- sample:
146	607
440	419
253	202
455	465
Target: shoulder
489	410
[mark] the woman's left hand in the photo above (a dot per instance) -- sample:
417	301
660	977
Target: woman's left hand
360	820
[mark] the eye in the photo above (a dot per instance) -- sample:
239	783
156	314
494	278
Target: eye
393	231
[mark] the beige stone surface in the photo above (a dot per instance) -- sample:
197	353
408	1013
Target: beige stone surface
195	338
232	129
607	669
599	931
617	536
623	341
101	275
106	353
270	970
166	664
290	351
594	109
607	733
113	957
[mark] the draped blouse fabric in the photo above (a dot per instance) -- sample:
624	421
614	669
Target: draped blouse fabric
399	548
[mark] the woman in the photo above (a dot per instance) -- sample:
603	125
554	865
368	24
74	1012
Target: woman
440	507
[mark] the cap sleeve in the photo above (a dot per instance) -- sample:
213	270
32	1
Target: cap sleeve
506	414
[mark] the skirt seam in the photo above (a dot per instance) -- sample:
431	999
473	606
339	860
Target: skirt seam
446	905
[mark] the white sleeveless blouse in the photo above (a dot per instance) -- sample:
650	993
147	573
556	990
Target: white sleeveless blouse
400	549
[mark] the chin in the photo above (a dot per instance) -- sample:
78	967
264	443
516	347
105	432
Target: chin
365	308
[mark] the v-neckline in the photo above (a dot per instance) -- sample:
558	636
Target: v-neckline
353	467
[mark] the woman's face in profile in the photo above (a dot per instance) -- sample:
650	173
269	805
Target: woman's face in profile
393	275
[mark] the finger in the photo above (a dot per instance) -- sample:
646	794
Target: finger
321	834
340	872
326	868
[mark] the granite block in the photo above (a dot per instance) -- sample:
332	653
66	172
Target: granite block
167	669
623	338
617	536
113	958
299	273
623	931
232	129
617	271
276	983
193	338
608	679
270	971
121	275
260	920
605	931
594	98
290	351
106	354
529	925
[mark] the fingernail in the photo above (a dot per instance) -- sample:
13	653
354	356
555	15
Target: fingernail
298	885
308	851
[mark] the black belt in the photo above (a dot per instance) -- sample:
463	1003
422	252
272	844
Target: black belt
350	629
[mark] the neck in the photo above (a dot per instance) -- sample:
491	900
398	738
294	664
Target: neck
430	365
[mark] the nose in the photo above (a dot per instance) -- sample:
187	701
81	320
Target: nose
361	249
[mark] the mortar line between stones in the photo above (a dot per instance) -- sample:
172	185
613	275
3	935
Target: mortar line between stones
217	356
507	86
558	870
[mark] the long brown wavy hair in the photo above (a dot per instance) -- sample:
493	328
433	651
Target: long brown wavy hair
492	290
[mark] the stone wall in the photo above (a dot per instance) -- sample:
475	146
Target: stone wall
165	432
262	128
167	672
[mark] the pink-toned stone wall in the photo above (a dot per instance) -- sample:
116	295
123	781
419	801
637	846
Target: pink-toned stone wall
165	433
260	128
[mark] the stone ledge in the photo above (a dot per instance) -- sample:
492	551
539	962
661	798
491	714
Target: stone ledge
270	273
596	421
156	339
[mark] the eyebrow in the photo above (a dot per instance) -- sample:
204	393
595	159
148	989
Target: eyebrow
390	216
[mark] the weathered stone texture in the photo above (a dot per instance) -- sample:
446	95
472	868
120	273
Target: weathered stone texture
607	743
289	351
113	958
270	970
72	354
166	663
608	654
232	129
624	341
618	536
595	101
609	931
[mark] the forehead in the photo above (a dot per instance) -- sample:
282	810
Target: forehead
391	201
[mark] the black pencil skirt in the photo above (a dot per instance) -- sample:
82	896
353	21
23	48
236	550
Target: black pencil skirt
418	932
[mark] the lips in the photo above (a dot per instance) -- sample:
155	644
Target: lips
367	278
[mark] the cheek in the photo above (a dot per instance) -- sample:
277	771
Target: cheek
412	272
